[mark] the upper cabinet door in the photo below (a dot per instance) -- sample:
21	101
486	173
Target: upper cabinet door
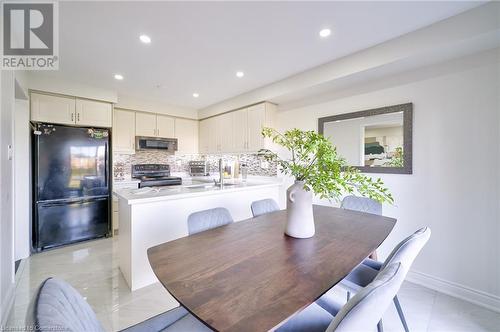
204	136
256	120
225	133
165	126
213	136
93	113
53	109
240	130
145	124
186	132
124	131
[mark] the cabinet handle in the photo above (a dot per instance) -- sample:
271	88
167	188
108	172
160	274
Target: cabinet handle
78	117
72	117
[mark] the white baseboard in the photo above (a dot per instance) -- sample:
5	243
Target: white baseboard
7	305
475	296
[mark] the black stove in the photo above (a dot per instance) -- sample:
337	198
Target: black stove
154	175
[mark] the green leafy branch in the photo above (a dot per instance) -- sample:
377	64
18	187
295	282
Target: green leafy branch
398	159
315	161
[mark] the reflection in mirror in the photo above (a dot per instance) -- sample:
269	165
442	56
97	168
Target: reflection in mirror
372	140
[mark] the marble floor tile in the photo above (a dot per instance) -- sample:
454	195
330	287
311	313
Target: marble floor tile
92	268
452	314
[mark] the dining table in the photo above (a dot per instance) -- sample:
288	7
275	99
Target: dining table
250	276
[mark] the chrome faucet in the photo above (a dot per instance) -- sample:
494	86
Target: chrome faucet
221	173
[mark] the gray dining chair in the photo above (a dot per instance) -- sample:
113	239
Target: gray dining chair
361	204
207	219
405	253
57	306
360	313
264	206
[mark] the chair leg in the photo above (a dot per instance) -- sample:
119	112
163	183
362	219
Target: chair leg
401	314
380	327
348	296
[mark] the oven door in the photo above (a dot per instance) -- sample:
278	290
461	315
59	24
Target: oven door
155	143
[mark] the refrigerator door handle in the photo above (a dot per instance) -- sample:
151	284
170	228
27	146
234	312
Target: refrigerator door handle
106	154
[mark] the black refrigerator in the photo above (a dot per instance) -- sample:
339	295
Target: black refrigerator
71	185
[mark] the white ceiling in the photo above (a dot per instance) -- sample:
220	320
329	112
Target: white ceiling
198	46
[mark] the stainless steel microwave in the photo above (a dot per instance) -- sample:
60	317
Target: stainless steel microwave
156	143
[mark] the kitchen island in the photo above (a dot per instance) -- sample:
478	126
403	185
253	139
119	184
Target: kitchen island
151	216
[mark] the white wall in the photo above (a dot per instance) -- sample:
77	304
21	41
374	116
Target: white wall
22	199
46	82
454	187
6	202
139	104
39	80
467	33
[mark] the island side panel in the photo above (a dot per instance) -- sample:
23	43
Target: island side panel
125	241
158	222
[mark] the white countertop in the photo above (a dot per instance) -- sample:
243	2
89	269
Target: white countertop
191	187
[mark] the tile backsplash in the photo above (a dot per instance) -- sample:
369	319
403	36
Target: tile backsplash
122	163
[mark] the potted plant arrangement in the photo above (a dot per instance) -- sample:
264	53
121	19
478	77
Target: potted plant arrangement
317	168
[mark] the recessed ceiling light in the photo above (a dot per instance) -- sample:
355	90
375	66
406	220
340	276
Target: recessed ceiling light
145	39
118	77
325	33
196	95
240	74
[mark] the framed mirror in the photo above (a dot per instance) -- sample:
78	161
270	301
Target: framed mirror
374	141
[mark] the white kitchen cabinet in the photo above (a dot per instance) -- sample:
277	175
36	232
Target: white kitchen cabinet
224	132
115	218
203	137
256	121
70	110
186	132
165	126
240	130
145	124
154	125
213	137
93	113
124	131
52	109
237	131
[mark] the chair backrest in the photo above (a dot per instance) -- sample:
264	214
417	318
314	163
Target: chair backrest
207	219
57	306
361	204
264	206
366	308
407	250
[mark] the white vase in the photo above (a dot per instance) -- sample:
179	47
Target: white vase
300	219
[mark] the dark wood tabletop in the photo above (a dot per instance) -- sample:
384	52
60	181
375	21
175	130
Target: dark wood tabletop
250	276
